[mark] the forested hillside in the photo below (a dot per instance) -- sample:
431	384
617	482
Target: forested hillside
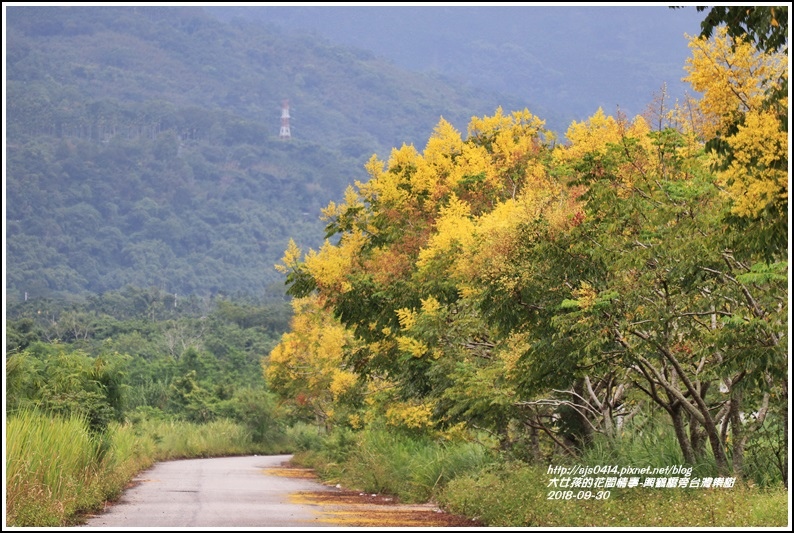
143	148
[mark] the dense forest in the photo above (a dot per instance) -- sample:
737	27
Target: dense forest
141	352
143	147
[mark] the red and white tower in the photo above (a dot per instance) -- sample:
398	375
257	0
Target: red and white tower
284	132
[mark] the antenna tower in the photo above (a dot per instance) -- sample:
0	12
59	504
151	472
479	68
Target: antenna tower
284	132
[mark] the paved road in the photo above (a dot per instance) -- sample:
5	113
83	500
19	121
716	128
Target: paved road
220	492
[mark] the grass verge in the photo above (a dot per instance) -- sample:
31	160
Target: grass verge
517	495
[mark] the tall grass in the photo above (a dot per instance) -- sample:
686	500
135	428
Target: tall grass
305	437
53	468
56	469
178	439
411	468
654	445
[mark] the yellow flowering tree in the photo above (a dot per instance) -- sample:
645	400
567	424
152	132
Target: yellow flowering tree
746	111
306	368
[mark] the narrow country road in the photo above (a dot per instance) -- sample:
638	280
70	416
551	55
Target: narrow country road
221	492
255	492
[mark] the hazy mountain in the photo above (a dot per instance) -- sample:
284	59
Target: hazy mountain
564	61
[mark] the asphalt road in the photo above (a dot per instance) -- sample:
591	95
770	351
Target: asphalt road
218	492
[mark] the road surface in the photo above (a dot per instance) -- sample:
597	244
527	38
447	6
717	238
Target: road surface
222	492
255	492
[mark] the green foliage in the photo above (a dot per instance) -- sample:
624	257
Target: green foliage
305	437
765	26
763	273
257	410
131	353
61	381
20	334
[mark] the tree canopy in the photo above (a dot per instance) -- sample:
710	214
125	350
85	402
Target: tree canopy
506	282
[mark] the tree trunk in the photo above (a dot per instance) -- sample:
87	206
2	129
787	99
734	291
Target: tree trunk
697	438
586	427
677	415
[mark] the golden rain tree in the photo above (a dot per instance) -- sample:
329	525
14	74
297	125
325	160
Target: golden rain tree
306	367
745	105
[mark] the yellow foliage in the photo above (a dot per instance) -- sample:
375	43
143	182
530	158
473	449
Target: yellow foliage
597	133
412	346
496	161
341	382
430	306
732	76
374	167
386	190
352	200
454	226
513	139
585	295
510	354
589	136
519	124
425	179
407	318
384	185
496	235
495	242
735	80
639	129
474	159
330	266
355	421
290	259
443	143
306	364
457	201
754	177
438	160
404	158
456	433
412	415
